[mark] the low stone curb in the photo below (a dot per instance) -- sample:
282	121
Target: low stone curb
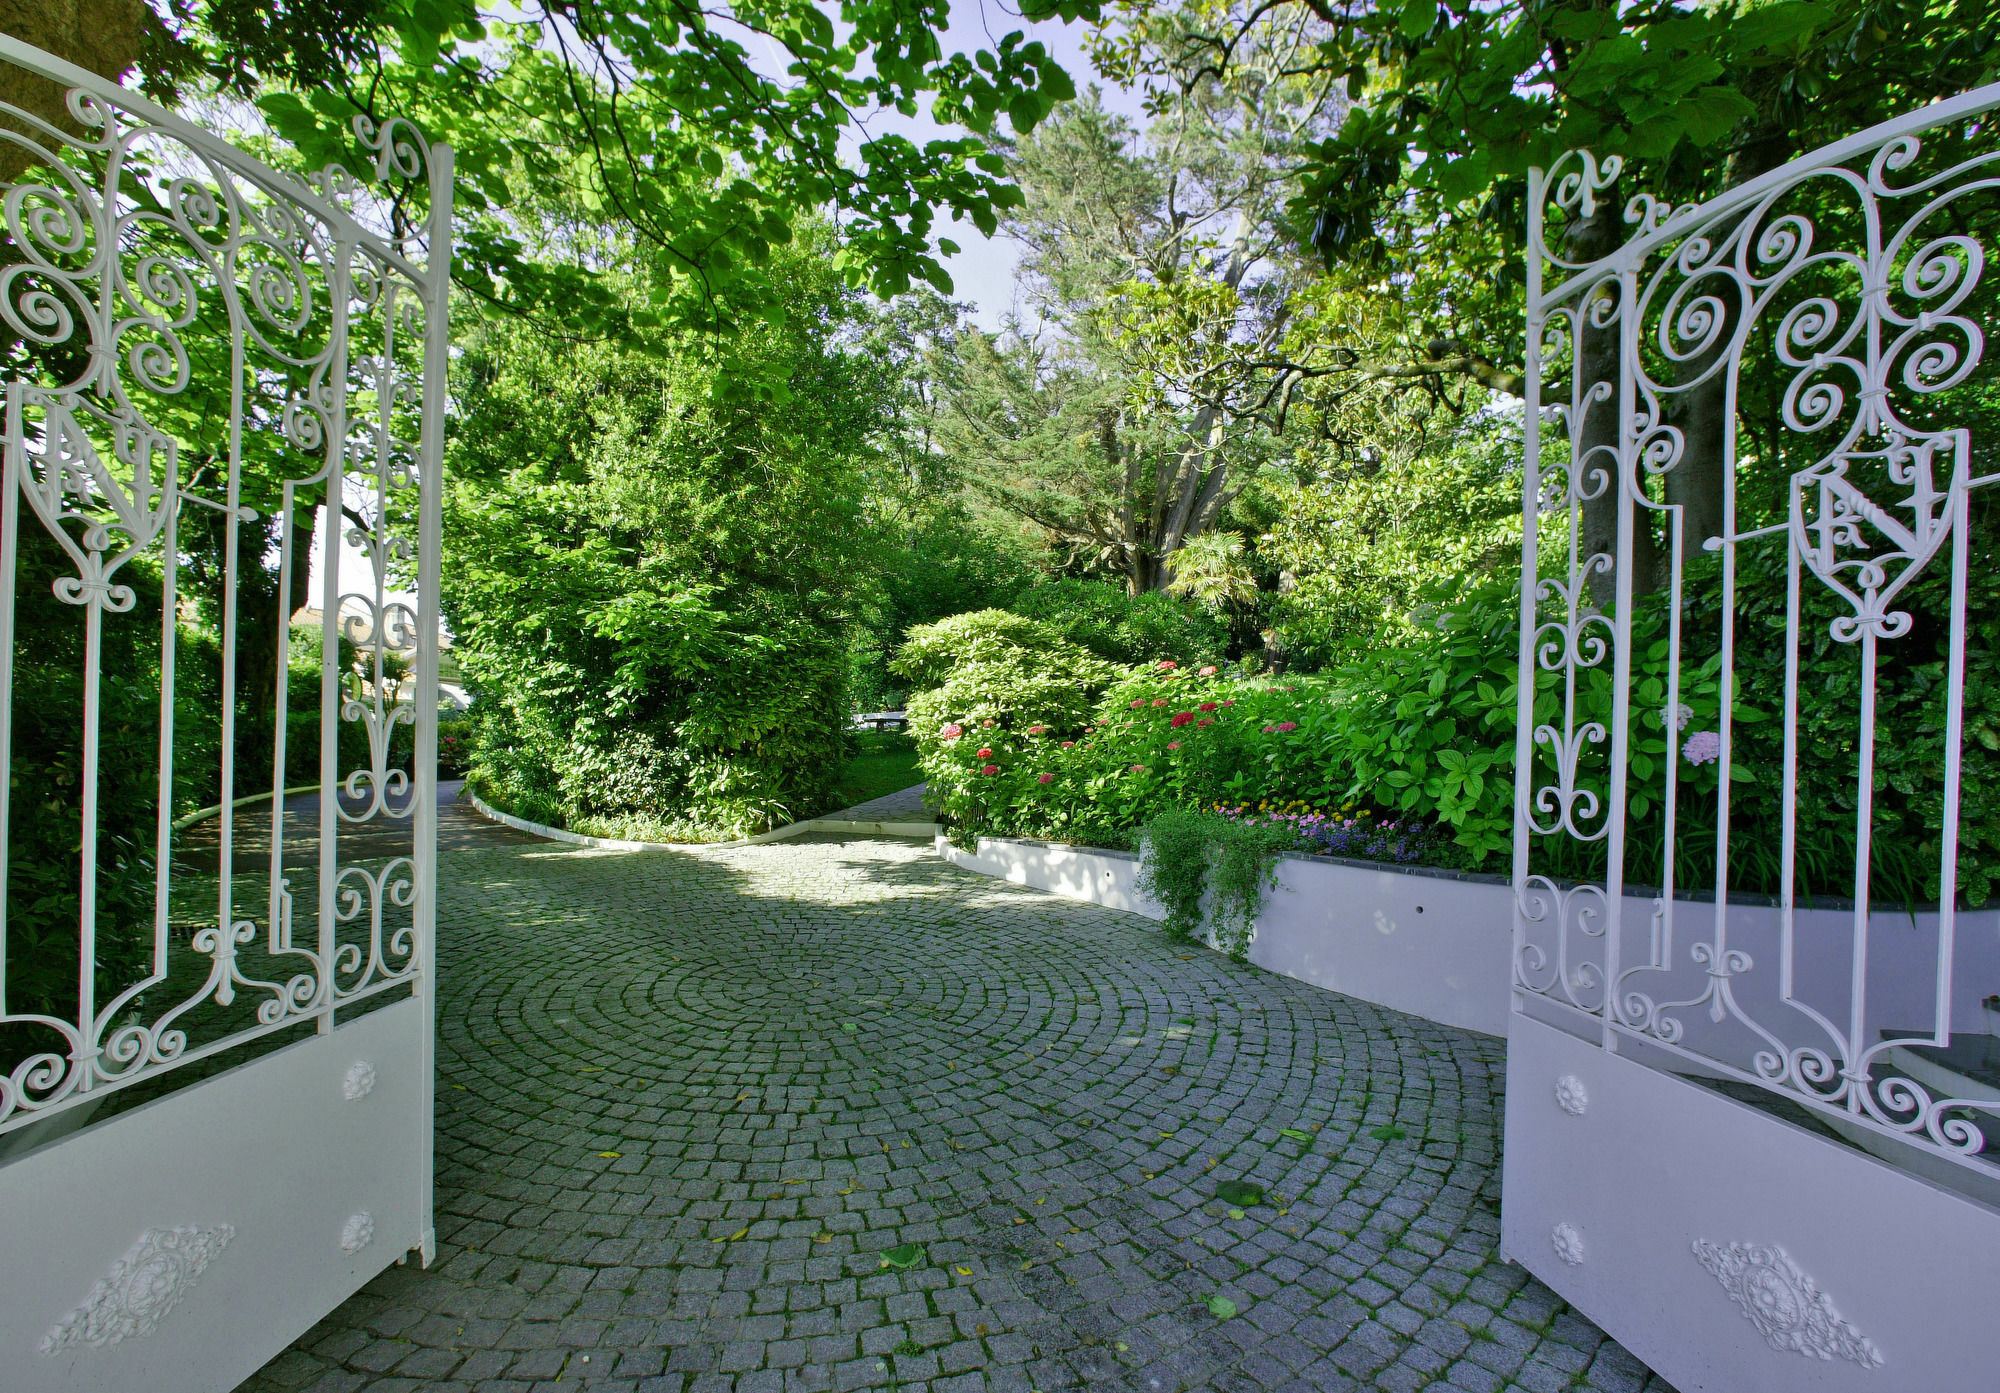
837	826
181	824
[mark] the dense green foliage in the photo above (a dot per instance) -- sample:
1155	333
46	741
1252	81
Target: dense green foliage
675	663
1113	623
1417	729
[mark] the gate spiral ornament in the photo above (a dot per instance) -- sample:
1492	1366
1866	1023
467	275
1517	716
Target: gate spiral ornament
1854	281
153	278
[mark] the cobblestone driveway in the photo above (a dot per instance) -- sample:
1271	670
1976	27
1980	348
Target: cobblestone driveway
687	1103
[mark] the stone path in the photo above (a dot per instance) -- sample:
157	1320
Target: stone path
687	1103
906	804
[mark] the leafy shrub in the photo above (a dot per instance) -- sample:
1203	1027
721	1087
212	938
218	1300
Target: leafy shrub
1126	628
1417	730
454	753
651	591
1190	859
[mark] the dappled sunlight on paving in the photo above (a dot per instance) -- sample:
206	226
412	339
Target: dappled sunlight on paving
829	1115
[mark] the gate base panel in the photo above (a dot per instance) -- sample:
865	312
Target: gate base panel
253	1202
1731	1251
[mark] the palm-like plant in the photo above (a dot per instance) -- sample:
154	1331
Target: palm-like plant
1210	568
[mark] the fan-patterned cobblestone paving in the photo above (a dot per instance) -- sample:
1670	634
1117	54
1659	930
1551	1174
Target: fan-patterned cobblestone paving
686	1103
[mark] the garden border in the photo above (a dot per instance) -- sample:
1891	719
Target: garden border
917	830
1439	943
181	824
1434	943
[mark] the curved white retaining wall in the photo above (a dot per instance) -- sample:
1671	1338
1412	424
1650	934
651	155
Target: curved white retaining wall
1432	943
1437	943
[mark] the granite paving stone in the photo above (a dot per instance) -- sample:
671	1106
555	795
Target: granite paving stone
687	1100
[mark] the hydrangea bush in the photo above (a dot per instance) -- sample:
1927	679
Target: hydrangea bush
1405	751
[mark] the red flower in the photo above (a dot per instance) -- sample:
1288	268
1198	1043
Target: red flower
1208	706
1204	721
953	731
984	754
1068	743
986	725
991	769
1139	703
1268	729
1181	719
1168	665
1036	730
1173	744
1230	702
1284	726
1208	671
1138	769
1046	779
1159	701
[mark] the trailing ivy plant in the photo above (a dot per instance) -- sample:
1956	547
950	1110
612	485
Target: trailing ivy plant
1185	855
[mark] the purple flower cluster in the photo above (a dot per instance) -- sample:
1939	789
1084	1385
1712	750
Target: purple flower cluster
1319	834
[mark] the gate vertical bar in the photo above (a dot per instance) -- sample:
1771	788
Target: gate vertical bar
1531	493
430	569
1628	484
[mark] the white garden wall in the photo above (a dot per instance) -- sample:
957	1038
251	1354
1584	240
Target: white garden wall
1432	943
1436	943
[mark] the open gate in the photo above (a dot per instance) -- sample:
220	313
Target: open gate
215	1030
1753	1094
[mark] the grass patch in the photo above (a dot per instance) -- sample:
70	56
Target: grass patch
883	762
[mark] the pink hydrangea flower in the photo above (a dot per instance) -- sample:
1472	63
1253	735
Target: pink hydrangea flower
1068	743
991	769
1703	747
1045	779
1036	730
1138	769
1159	701
1168	665
1283	726
1208	671
983	754
1173	744
953	731
1139	703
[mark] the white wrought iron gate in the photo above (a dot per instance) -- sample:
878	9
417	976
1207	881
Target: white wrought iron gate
220	382
1753	1098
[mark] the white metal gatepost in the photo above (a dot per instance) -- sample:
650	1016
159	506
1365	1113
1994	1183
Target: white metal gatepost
1753	1101
215	1031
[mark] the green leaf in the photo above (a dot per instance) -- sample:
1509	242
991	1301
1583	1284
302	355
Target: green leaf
1712	113
1243	1193
1221	1307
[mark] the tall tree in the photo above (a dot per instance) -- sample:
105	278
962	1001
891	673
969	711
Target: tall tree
1453	102
1116	439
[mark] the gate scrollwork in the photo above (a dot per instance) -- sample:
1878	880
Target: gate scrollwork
194	340
1843	301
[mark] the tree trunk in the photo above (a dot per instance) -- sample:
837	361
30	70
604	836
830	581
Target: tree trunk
101	35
